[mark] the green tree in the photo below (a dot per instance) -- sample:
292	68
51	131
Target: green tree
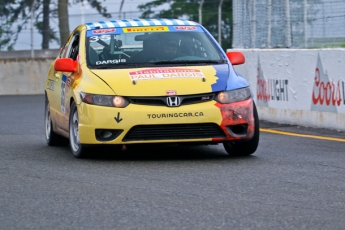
63	15
189	9
16	14
10	12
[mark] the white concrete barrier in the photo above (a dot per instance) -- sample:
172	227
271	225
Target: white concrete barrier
303	87
24	76
21	74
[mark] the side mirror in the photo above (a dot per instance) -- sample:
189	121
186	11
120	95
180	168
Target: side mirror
65	65
236	58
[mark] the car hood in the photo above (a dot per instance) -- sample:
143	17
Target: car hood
161	81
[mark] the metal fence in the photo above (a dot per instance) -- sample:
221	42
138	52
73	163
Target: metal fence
288	23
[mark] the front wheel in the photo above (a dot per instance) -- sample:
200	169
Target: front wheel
245	148
78	150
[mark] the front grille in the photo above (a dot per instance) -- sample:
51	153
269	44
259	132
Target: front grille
162	101
174	132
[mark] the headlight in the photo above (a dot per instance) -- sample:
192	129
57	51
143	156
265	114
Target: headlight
227	97
104	100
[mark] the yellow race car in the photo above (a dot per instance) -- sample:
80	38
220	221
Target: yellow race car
126	82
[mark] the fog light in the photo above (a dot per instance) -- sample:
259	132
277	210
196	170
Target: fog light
238	130
107	134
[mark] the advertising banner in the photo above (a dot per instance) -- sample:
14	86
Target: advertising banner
305	87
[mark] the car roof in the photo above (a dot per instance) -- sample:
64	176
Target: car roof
139	22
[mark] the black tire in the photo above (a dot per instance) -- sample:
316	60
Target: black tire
78	150
245	148
52	138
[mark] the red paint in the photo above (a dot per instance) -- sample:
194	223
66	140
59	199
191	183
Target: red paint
185	27
103	31
263	92
238	113
171	92
326	92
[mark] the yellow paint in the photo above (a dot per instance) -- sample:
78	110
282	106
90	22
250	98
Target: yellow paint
145	29
302	135
147	81
155	81
102	117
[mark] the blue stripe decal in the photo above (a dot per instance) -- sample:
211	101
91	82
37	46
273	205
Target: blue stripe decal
138	22
115	23
119	30
64	78
227	79
164	23
90	26
185	21
173	21
176	23
222	74
127	23
151	22
103	24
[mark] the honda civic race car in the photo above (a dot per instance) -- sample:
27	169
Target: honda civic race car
127	82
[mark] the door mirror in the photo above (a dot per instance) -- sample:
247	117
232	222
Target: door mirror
65	65
236	58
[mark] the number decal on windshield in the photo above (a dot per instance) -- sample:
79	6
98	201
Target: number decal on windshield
97	38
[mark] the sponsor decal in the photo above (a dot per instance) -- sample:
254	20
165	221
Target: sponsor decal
270	89
101	37
262	86
145	29
343	84
103	31
68	83
51	85
327	94
174	115
185	27
171	92
165	73
65	86
63	94
114	61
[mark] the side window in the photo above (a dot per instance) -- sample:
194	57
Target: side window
74	48
63	51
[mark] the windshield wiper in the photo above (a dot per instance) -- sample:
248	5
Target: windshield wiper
189	62
118	66
100	67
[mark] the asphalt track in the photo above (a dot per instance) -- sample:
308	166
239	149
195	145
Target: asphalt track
295	180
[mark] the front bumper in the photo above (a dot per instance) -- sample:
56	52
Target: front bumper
202	122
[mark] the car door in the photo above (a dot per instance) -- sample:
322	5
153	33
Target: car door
54	85
63	84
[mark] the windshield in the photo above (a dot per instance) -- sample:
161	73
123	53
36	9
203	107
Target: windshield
147	46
